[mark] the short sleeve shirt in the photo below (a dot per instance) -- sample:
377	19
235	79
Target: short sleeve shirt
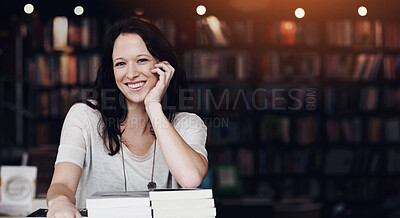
82	144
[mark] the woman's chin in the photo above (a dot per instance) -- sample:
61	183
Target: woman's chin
135	99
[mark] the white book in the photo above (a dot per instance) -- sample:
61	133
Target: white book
169	194
41	213
120	212
118	199
60	33
119	216
115	215
183	203
186	212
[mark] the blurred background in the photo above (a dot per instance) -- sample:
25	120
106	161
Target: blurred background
301	97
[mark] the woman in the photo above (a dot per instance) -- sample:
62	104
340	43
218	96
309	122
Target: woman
125	140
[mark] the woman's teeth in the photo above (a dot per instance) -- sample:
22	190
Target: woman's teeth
135	85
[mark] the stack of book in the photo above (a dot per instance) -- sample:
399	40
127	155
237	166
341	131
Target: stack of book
132	204
176	203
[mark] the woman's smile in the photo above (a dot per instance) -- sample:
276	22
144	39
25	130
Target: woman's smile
136	86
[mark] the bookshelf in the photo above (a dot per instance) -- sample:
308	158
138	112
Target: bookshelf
300	108
61	56
356	87
59	62
344	149
269	109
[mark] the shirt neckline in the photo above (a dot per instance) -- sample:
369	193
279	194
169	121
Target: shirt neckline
145	157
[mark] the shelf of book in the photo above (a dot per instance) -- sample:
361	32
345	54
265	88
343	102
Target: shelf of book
280	98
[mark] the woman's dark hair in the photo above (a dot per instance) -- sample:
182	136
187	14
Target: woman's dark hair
110	102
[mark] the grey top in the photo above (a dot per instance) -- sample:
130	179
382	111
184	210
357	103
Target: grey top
82	145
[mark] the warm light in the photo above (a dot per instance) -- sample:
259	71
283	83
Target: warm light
201	10
362	11
288	25
29	8
78	10
299	13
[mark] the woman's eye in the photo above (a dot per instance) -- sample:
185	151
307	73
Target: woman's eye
142	60
119	64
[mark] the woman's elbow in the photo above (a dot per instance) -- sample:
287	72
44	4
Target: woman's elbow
195	178
192	181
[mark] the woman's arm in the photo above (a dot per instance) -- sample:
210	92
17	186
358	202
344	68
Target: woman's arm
70	158
61	194
186	165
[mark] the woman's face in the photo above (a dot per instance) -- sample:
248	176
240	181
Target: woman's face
132	63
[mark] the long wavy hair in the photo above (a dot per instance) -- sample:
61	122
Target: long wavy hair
110	101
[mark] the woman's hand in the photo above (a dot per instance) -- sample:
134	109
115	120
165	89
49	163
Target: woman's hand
61	207
165	72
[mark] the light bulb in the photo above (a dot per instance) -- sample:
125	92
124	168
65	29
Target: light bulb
28	8
299	13
201	10
78	10
362	11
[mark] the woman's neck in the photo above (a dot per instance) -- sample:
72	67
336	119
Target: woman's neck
137	119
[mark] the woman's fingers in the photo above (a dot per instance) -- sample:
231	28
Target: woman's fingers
169	66
167	69
160	73
165	72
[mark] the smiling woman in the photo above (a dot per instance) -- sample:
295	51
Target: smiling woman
125	139
133	65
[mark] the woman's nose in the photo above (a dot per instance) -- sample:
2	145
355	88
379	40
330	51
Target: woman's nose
132	72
